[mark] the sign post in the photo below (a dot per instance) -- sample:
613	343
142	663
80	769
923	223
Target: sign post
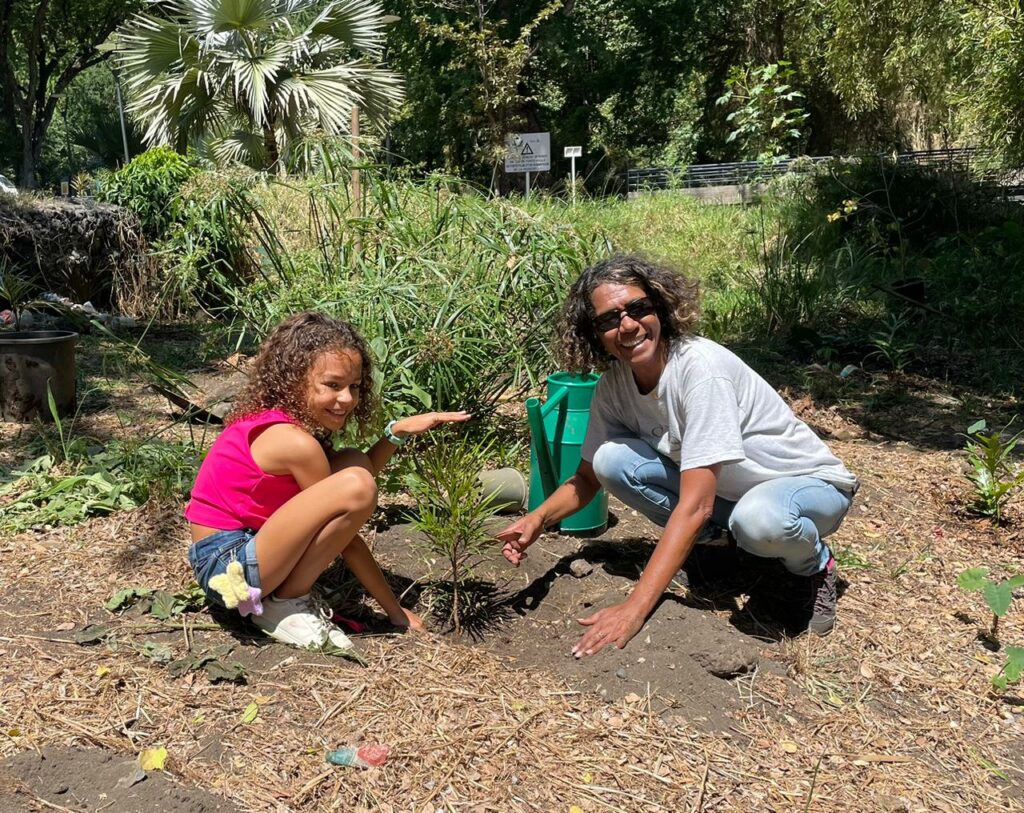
573	153
527	152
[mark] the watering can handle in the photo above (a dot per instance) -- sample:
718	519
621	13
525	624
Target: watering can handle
535	414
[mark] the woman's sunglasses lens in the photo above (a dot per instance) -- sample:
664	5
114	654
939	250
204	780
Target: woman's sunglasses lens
636	310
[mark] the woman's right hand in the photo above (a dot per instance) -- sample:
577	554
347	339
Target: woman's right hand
518	536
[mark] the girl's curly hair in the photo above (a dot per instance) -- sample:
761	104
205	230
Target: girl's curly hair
278	375
676	301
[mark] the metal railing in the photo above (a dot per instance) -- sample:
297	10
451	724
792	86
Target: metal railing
980	164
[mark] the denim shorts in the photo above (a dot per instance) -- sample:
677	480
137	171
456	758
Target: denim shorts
211	556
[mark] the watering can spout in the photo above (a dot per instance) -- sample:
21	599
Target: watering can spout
557	430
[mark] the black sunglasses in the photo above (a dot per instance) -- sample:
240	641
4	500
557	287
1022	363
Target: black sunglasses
636	310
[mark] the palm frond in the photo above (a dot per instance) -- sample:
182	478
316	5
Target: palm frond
358	23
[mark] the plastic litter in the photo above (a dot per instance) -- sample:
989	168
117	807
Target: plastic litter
366	756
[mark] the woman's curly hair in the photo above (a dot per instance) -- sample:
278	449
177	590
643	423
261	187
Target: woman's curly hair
278	375
676	301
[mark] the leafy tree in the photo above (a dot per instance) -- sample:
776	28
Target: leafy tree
44	45
86	131
991	95
245	79
765	118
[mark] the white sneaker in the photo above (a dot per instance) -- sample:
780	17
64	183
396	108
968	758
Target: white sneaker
300	622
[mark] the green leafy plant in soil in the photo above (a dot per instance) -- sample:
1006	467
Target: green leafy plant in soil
993	475
998	596
452	511
76	478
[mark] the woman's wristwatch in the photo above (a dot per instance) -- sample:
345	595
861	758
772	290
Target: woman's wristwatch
391	437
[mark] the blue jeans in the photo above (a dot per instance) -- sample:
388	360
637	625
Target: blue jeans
784	519
211	556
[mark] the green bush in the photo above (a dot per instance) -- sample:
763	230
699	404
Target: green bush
933	246
150	185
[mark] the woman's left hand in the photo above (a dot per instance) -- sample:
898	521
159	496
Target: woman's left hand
417	424
612	625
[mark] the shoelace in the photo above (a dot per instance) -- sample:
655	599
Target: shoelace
824	595
324	613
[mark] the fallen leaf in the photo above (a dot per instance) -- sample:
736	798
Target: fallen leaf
588	777
153	759
252	711
632	697
92	634
102	670
65	627
867	672
575	809
789	746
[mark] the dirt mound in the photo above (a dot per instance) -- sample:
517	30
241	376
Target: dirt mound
686	661
94	779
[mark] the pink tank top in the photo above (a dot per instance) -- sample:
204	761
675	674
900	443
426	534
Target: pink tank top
231	490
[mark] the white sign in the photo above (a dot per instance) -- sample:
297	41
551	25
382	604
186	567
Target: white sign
527	152
572	152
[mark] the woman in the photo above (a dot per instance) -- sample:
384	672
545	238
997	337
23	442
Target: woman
686	433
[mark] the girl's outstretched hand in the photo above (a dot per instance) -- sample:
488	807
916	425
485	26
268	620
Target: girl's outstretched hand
416	424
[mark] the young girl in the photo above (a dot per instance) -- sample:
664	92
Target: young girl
272	497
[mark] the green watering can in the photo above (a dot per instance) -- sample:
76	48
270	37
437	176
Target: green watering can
557	430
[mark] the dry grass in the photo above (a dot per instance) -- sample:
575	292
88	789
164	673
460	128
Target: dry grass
893	712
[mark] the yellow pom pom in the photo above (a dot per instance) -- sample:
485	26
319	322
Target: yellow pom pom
231	585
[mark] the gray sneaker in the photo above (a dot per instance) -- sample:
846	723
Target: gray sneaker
821	601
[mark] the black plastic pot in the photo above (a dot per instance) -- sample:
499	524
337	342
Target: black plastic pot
29	360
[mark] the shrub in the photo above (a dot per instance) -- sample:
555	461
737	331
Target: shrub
150	185
910	238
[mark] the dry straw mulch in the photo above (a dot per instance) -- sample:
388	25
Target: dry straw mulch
893	712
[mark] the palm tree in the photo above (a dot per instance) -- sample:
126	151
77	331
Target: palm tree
246	80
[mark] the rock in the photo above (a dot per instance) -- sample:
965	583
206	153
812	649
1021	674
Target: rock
620	674
580	568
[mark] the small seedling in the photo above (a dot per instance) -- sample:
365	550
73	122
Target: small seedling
890	345
993	475
998	596
453	510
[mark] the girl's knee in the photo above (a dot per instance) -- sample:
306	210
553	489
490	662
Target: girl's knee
357	489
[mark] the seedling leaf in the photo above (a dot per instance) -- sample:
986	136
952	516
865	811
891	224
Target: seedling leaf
998	597
977	426
163	605
1014	663
973	579
182	666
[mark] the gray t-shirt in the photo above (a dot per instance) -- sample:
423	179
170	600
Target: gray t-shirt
709	407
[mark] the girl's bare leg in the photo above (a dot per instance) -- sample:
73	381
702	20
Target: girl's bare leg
309	531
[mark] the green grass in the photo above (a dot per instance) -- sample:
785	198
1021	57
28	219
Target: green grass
707	242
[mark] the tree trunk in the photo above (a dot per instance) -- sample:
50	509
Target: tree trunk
27	171
272	157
